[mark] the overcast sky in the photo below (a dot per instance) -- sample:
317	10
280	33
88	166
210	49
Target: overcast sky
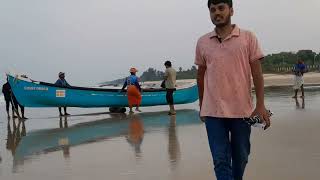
98	40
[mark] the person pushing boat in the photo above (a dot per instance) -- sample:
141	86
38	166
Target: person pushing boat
11	99
133	90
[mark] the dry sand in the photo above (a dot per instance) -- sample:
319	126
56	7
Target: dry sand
287	79
311	78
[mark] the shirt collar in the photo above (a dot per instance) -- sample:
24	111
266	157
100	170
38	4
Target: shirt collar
235	32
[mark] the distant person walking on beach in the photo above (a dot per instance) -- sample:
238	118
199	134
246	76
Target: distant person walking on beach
133	90
170	85
61	82
299	69
227	57
11	99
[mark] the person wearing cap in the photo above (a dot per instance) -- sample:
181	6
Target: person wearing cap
61	82
227	58
170	85
133	90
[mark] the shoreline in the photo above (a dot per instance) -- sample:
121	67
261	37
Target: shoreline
270	80
276	80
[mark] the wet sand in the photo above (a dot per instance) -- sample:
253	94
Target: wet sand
93	144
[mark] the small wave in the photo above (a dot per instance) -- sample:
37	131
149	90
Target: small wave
312	87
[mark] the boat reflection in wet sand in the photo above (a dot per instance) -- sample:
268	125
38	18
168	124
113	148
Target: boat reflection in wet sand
133	127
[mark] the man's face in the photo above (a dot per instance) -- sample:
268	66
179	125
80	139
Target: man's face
62	76
220	14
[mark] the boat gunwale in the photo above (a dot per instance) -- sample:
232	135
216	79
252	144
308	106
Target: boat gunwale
96	89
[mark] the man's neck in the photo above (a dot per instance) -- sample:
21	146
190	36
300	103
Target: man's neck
224	31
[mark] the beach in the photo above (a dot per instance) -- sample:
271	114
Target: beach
87	77
312	78
270	80
93	144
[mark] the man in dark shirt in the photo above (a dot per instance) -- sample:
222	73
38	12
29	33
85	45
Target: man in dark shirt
16	105
62	83
10	98
6	90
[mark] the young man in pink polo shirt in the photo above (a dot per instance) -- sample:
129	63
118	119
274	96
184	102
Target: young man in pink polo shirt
227	57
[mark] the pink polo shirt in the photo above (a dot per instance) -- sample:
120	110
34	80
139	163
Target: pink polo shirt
227	80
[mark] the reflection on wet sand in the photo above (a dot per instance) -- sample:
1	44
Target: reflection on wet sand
173	143
64	142
298	106
133	127
63	123
14	136
135	134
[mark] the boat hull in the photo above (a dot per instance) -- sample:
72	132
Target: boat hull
38	94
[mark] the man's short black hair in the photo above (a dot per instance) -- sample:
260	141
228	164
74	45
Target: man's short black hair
229	2
168	63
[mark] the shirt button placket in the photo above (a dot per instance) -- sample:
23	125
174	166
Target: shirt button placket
222	45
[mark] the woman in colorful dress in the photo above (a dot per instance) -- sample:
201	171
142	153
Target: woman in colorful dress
133	90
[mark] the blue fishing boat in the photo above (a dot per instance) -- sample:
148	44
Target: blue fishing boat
31	93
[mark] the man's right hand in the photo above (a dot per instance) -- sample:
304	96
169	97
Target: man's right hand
203	119
200	77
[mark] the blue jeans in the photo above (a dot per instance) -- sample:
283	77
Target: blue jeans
229	141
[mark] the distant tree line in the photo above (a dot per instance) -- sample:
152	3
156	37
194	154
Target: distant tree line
272	63
155	75
152	74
